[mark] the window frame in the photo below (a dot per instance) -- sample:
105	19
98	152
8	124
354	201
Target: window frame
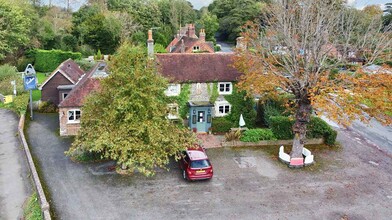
222	104
196	48
225	88
75	120
171	93
64	95
173	108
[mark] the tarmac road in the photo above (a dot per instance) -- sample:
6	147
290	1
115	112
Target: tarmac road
355	182
15	185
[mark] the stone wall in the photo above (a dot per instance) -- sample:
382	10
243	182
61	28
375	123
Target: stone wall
36	180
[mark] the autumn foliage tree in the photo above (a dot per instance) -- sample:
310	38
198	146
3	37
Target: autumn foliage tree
126	119
295	49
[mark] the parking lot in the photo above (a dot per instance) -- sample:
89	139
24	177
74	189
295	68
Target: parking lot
355	182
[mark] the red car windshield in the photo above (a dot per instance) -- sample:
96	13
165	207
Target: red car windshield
200	164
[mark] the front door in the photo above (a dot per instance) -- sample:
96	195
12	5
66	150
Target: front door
201	121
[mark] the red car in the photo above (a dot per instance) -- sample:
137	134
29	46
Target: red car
195	165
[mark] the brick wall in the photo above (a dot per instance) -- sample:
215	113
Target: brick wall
67	129
50	91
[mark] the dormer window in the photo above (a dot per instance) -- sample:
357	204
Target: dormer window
173	90
196	48
225	88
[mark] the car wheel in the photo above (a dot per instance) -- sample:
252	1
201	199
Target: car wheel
184	175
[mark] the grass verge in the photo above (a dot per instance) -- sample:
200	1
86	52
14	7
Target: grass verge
32	210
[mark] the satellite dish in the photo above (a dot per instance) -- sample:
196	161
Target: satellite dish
29	70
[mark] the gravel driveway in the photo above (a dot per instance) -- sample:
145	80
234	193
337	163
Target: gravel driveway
357	183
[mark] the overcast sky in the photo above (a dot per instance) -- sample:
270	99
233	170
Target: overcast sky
197	4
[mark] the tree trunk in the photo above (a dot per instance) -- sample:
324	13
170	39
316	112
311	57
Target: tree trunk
302	118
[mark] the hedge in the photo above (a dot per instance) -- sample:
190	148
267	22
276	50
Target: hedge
255	135
49	60
221	125
317	128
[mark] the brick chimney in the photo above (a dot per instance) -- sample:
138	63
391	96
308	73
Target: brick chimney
150	44
191	31
182	46
202	35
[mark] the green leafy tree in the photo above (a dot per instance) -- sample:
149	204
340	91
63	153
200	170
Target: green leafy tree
14	31
126	119
176	12
232	14
97	29
210	23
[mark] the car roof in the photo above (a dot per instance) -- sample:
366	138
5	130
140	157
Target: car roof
197	154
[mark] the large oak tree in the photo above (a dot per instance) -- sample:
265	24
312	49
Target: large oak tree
295	49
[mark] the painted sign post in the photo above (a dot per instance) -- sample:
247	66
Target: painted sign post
30	83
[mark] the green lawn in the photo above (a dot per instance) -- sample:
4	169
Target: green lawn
37	93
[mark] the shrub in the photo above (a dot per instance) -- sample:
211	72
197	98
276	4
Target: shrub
85	64
255	135
272	108
241	104
282	127
221	125
49	60
233	135
98	56
7	74
47	107
20	103
22	63
318	128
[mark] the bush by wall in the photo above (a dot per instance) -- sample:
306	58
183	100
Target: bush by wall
49	60
221	125
318	128
255	135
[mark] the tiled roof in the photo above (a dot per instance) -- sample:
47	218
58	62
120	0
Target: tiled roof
69	69
197	67
189	42
72	69
84	87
